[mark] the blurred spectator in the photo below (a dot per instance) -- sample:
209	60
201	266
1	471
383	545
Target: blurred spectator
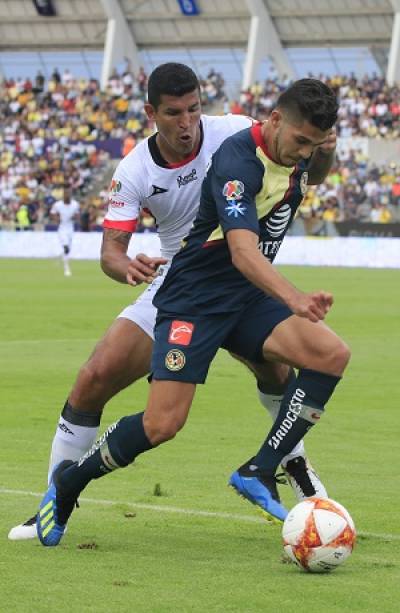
368	106
147	223
128	144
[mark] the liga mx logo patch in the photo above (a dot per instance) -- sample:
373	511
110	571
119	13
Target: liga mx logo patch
115	186
233	190
175	360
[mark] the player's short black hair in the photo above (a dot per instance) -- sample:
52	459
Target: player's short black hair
310	100
172	79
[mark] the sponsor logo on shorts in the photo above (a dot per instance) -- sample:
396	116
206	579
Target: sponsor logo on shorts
180	333
175	360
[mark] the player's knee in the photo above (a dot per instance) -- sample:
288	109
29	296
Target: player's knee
339	357
94	374
162	430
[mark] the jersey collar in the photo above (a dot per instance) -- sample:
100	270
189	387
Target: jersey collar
160	161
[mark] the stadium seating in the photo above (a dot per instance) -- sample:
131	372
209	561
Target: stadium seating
65	130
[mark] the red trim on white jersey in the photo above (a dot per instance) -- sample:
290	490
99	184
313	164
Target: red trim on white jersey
124	226
190	157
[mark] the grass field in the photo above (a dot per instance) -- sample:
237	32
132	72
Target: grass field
167	534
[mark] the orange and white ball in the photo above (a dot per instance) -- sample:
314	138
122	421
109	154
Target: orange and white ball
318	535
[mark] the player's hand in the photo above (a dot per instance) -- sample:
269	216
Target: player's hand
313	306
329	145
143	269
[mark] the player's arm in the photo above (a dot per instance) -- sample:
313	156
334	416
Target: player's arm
322	160
114	259
116	263
247	258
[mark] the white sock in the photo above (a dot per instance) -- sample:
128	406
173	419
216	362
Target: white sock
70	442
272	403
66	262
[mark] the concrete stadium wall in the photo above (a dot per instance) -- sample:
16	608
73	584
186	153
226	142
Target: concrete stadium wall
296	250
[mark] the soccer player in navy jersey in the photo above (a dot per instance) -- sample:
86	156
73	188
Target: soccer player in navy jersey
164	174
222	291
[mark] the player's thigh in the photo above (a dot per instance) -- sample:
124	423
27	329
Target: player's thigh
123	354
256	323
126	348
304	344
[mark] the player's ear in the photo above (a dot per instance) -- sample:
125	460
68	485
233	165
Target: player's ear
275	118
150	110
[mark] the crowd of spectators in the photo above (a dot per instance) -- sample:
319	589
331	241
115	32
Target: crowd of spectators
354	191
52	129
50	134
368	106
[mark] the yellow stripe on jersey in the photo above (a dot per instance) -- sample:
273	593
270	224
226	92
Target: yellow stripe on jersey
216	235
276	182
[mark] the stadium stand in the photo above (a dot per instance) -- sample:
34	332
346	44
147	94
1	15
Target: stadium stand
368	106
64	131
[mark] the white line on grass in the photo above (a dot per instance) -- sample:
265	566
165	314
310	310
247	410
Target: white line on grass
194	512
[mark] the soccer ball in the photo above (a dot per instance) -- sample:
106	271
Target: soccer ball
318	535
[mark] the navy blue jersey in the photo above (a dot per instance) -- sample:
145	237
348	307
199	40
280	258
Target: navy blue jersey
244	189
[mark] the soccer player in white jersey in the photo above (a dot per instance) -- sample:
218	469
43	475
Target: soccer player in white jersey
163	174
66	211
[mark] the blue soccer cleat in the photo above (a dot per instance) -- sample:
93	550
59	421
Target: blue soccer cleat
54	510
260	489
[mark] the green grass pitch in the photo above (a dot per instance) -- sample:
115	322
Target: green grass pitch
167	534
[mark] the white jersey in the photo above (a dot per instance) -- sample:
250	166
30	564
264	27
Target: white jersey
171	194
66	213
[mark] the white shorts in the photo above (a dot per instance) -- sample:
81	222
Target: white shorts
142	312
65	237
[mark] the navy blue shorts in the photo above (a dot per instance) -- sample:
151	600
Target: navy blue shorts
185	346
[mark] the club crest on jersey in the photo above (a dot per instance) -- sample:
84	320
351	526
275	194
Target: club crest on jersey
304	182
175	360
115	186
233	190
180	332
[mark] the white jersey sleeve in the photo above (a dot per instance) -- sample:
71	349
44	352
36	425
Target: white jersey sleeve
126	192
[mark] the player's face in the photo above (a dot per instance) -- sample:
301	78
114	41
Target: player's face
294	141
178	124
